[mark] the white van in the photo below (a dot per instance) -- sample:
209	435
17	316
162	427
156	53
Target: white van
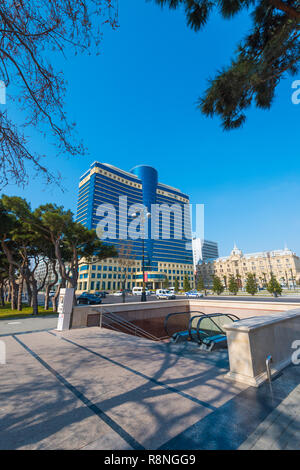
160	291
164	294
139	290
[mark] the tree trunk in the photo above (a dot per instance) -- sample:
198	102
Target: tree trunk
2	295
54	299
8	296
74	285
14	295
13	288
35	307
20	291
29	292
46	305
50	286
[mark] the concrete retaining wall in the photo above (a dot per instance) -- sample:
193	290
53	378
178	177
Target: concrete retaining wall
242	309
148	315
252	340
144	312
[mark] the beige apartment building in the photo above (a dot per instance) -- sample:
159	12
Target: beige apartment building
109	275
284	264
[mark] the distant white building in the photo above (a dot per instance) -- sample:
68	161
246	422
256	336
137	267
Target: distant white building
41	270
204	250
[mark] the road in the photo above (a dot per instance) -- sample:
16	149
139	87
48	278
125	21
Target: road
254	298
111	299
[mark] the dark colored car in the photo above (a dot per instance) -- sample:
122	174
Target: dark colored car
88	299
102	295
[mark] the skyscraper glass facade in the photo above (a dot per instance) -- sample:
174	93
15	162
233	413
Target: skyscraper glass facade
104	184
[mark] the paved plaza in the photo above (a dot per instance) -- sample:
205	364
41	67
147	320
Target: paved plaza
9	326
97	389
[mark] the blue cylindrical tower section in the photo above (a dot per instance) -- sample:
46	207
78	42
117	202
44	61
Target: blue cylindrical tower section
149	177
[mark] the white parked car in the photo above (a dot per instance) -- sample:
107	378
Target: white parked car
118	293
194	294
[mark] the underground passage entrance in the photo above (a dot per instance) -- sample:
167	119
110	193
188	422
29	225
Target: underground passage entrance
207	330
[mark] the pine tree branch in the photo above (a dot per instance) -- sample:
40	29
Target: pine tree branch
290	11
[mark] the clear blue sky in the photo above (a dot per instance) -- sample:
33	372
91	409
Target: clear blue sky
135	103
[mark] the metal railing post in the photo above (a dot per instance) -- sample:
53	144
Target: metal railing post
268	367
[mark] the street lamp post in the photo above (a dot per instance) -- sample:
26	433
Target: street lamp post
143	218
143	297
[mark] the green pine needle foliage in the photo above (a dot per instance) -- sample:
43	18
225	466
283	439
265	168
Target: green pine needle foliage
269	52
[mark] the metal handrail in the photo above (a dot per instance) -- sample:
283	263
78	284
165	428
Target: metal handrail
224	314
167	318
198	324
180	313
210	317
110	325
130	324
130	327
138	331
191	320
201	314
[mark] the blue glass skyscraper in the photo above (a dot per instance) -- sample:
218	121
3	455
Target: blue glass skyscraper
169	256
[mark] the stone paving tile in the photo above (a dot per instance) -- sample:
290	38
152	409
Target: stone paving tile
150	413
39	412
107	442
232	423
281	429
197	377
290	440
18	325
148	393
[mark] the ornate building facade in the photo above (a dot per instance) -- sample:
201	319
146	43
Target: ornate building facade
284	264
